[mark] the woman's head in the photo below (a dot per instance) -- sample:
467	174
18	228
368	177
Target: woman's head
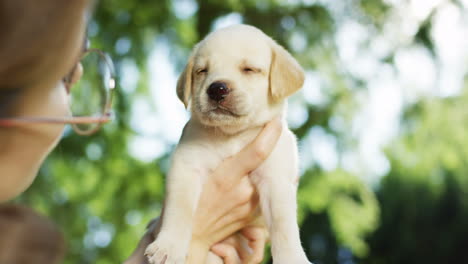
38	40
41	43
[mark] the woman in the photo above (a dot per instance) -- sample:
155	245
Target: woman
40	49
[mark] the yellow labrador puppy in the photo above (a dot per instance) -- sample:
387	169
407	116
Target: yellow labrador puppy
236	80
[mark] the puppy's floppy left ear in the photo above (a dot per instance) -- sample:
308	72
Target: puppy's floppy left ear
286	75
184	83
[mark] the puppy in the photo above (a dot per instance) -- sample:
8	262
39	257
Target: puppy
236	80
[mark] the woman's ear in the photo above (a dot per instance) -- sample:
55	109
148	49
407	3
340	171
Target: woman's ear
286	75
184	83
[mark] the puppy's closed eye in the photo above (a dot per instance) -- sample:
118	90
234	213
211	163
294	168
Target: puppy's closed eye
250	70
202	71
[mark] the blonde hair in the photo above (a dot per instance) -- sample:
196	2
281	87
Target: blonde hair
28	237
37	38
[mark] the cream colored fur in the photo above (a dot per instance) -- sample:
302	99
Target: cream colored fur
260	75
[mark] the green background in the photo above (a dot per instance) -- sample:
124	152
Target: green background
416	211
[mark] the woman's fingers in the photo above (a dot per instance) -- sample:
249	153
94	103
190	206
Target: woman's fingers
240	243
239	203
243	192
227	252
249	246
238	219
257	239
251	156
245	210
232	228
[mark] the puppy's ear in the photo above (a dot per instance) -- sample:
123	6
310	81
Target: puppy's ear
286	75
184	84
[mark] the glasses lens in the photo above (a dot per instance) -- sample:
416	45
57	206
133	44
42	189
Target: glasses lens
91	93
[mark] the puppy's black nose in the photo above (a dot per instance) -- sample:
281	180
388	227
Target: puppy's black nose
217	91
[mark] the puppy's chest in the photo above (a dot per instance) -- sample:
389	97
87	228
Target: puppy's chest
223	148
208	150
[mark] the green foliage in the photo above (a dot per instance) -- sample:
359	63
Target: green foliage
424	197
102	197
350	207
376	9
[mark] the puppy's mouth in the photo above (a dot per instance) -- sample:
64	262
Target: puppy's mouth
220	110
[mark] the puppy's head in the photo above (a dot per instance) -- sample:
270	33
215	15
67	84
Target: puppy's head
237	78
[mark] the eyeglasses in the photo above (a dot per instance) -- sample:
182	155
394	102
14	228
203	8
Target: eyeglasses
90	96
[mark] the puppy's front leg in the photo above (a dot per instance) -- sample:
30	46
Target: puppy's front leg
183	191
278	203
277	190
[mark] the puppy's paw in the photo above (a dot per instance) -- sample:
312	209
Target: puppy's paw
165	252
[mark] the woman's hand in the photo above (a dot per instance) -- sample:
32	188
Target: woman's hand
246	248
227	203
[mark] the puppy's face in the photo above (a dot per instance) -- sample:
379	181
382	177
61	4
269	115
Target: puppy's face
237	78
230	78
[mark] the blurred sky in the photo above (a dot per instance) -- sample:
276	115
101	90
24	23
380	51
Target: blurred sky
417	74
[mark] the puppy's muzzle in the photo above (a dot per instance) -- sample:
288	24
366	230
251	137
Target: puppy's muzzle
218	91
